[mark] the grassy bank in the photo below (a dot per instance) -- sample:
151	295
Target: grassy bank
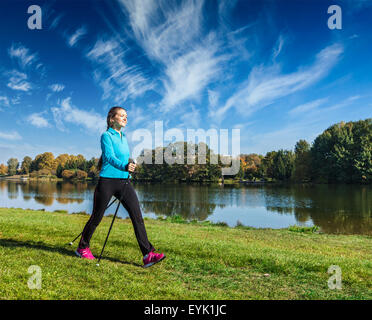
203	261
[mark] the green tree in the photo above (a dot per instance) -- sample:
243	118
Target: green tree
26	165
302	164
342	153
13	165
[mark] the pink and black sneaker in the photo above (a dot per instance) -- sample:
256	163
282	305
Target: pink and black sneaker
84	253
152	258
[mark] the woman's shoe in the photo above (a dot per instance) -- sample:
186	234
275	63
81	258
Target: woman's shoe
152	258
84	253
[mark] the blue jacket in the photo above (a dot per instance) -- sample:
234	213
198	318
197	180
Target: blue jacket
115	154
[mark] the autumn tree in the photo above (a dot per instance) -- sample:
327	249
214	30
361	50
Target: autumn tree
3	170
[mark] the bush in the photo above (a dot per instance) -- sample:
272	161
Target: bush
33	174
81	175
44	172
68	174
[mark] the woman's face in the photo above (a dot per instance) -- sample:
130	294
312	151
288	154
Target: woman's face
120	119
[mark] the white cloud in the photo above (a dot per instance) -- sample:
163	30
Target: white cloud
22	55
18	81
38	121
171	34
10	135
266	84
213	97
117	79
306	107
66	112
56	87
189	74
278	47
4	101
79	33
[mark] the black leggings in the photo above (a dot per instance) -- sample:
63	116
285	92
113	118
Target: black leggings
120	188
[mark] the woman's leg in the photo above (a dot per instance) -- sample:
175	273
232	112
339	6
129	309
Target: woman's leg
131	204
102	195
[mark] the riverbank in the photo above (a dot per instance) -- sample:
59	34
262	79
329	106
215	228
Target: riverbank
203	261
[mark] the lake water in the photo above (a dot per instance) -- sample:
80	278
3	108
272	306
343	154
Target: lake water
343	209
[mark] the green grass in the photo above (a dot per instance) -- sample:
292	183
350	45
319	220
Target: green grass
204	260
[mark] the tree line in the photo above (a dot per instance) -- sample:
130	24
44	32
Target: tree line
46	165
341	154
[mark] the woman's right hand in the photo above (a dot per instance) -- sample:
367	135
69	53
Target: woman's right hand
131	167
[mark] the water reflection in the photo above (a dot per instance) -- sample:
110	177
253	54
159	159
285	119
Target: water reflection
336	209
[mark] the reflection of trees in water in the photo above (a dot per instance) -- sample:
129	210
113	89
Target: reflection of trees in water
190	202
69	200
25	188
45	192
189	211
12	190
3	186
335	208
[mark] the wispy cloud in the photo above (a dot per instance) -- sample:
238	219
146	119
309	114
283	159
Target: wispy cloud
266	84
10	135
306	107
4	101
56	87
37	120
117	79
78	34
190	58
66	112
18	81
278	47
189	74
22	55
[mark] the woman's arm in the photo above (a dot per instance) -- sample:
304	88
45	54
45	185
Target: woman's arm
108	153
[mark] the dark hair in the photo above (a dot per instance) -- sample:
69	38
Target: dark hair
112	113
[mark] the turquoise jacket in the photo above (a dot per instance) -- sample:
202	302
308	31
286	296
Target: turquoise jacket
115	154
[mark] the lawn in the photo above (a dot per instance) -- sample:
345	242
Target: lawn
204	261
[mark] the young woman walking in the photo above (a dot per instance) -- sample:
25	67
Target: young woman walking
114	181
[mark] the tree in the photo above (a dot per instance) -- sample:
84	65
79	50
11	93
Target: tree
26	165
13	165
62	159
302	164
93	172
343	153
3	170
44	161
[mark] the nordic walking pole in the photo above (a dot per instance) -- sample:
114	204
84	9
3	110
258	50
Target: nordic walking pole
112	222
71	243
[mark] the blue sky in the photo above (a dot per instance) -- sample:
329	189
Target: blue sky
272	69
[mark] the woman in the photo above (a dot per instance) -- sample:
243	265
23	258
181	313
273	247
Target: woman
114	181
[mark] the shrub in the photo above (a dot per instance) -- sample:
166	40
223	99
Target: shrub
68	174
81	175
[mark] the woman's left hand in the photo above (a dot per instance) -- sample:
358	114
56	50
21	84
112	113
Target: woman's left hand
132	167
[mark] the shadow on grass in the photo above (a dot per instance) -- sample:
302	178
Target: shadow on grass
9	243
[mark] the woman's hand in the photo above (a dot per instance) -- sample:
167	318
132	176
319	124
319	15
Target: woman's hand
132	167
